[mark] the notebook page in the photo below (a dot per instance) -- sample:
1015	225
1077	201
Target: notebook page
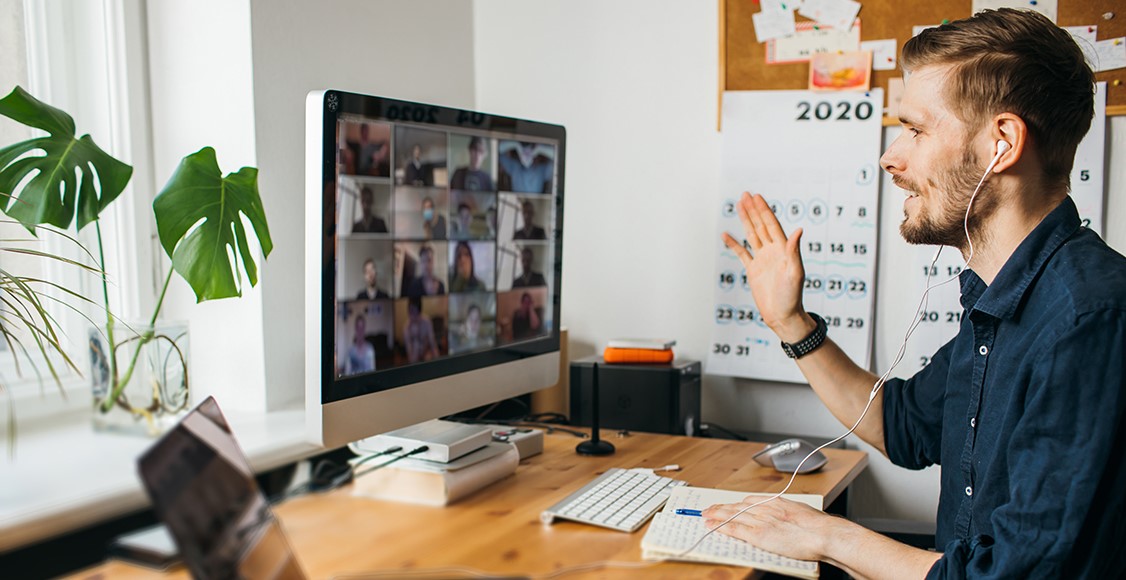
669	534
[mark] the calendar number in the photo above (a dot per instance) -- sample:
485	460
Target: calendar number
824	111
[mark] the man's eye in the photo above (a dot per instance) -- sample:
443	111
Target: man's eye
914	132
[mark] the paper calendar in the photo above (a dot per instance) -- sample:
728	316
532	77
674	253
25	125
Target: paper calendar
815	158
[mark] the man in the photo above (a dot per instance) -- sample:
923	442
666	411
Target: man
372	155
368	223
530	231
472	178
528	276
463	223
426	284
421	343
526	321
371	291
361	354
1024	408
527	170
416	171
433	223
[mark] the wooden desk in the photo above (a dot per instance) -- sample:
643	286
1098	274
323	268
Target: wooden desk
498	530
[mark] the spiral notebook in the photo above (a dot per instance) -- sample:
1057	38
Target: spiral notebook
669	535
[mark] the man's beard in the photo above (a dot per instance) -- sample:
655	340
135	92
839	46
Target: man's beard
951	189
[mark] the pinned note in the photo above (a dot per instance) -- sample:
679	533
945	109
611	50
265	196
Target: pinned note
839	14
1046	7
883	53
771	24
811	39
1110	54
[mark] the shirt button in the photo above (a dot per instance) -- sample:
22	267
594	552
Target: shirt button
983	350
973	422
969	490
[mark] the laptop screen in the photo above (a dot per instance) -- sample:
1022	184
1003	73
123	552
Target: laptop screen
203	490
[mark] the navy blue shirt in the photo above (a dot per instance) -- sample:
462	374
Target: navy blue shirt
1024	411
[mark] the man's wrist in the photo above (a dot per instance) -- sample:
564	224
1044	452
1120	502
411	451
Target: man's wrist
795	328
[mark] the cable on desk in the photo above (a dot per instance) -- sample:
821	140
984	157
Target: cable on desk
415	451
708	425
323	470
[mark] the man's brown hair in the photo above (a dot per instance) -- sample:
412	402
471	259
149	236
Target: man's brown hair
1014	61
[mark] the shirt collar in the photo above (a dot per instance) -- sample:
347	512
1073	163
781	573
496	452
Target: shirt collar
1002	298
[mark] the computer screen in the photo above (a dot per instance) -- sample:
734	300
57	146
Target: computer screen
436	256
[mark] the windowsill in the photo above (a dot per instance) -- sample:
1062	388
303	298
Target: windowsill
66	476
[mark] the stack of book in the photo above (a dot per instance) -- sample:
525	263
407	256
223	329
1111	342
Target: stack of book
639	350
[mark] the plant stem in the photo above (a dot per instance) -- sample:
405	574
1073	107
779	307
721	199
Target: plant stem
141	342
109	319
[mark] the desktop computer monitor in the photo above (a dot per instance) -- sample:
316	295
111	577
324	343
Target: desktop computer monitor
433	261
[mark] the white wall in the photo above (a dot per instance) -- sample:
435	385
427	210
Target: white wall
418	50
635	82
201	94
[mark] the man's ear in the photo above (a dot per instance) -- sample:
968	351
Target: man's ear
1011	129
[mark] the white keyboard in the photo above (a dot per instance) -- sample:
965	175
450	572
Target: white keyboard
620	499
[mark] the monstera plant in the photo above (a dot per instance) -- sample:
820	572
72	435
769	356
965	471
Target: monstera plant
49	182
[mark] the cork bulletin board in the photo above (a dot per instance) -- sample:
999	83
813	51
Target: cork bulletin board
742	60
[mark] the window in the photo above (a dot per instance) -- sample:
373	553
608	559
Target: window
85	58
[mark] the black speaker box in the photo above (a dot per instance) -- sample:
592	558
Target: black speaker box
654	398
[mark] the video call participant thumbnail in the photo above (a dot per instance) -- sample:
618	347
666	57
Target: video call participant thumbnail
521	313
476	175
528	274
367	149
469	216
526	167
528	229
368	222
421	157
472	322
371	289
421	335
427	282
463	271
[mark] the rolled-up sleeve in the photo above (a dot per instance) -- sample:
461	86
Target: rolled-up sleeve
913	413
1067	490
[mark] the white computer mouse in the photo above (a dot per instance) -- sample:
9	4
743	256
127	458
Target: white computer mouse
786	455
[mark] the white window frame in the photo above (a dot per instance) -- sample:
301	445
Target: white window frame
89	58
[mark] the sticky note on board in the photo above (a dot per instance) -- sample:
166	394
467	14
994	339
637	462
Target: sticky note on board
883	53
1046	7
839	14
770	25
809	39
1110	54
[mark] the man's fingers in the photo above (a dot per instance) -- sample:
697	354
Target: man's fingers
737	247
748	225
749	206
769	220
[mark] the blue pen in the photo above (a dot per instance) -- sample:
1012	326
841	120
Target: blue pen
684	512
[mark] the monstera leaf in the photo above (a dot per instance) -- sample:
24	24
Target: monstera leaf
62	176
198	218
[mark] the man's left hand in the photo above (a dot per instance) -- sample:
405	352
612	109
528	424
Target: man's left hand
781	526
